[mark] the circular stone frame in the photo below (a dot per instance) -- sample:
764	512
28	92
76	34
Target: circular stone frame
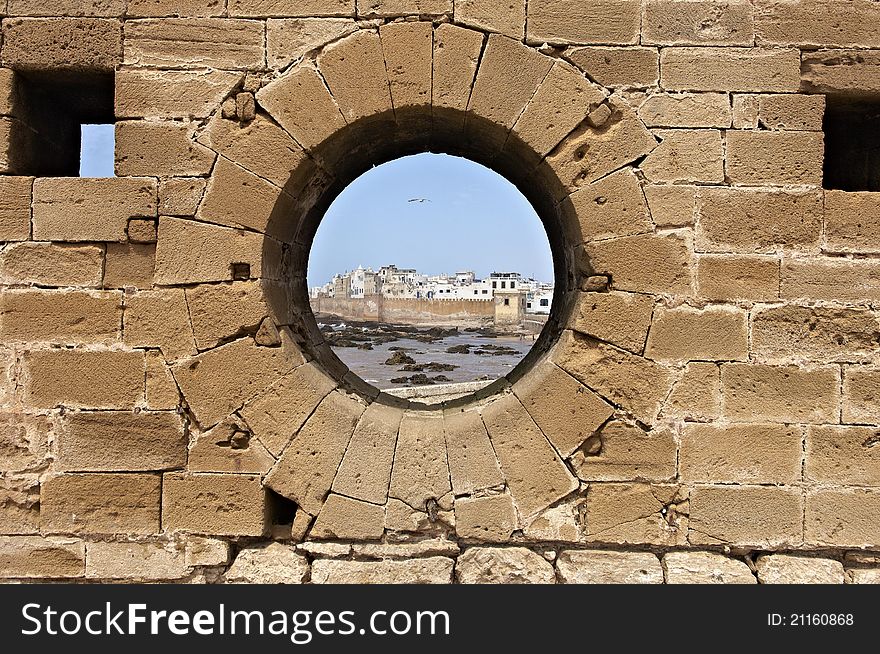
359	460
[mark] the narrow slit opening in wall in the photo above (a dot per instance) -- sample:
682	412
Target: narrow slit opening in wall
431	277
852	144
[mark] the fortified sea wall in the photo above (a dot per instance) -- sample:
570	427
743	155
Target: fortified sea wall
377	308
703	406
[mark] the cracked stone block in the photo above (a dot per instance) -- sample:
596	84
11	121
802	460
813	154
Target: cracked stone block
503	565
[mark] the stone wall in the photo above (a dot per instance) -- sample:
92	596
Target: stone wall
420	311
703	406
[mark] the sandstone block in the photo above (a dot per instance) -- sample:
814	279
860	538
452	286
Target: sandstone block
23	442
821	335
65	8
536	475
746	110
566	424
705	568
100	504
161	390
763	516
780	393
509	76
795	569
842	455
277	413
303	105
622	319
738	278
143	230
219	381
159	319
146	93
431	547
115	441
160	148
181	197
637	384
408	49
456	57
817	23
135	561
765	157
693	110
103	207
618	67
259	8
270	564
229	447
697	394
420	473
686	334
686	156
847	72
305	471
747	454
508	565
89	379
861	395
621	452
833	279
220	43
843	517
489	519
184	8
62	43
604	22
354	70
19	500
345	518
606	567
852	221
730	69
472	463
649	263
612	207
15	208
129	265
791	112
190	252
289	39
201	551
698	22
635	513
63	317
432	570
863	575
391	8
508	18
220	311
214	505
365	471
32	557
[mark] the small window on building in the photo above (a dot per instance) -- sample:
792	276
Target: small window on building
529	305
512	284
507	302
545	303
852	144
503	284
494	284
485	292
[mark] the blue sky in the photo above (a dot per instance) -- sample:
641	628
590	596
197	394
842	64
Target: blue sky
97	151
473	219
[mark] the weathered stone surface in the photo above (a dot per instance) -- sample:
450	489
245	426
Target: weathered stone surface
214	505
456	57
817	23
621	452
821	335
420	473
224	44
62	43
764	516
791	112
852	222
842	455
618	67
565	424
408	49
738	278
747	454
32	557
713	334
116	441
129	265
135	561
636	383
391	8
103	207
63	317
613	206
201	551
766	157
780	393
697	393
622	319
258	8
698	22
536	475
634	514
354	70
691	110
15	208
229	447
100	504
568	21
347	519
306	469
505	17
848	72
705	568
19	497
671	205
603	567
159	319
145	93
432	547
88	379
180	197
793	569
365	471
160	148
222	311
24	442
289	39
861	395
730	69
659	264
842	517
855	281
686	155
270	564
220	381
503	565
488	519
472	463
432	570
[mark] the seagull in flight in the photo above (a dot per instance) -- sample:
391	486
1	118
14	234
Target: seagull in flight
419	200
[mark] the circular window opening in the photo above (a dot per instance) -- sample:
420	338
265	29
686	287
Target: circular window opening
431	277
